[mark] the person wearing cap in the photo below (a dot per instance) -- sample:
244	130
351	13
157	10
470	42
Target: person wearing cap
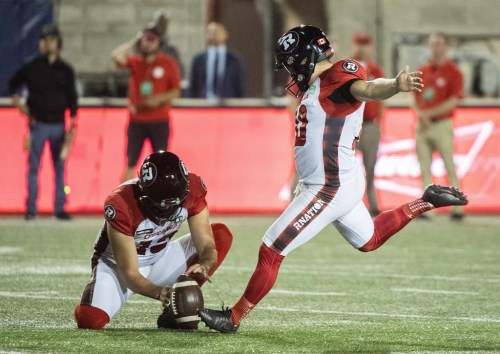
368	145
51	85
154	83
434	107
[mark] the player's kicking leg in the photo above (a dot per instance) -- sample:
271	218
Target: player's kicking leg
435	196
304	218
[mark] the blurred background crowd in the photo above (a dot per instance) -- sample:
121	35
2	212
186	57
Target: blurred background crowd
399	28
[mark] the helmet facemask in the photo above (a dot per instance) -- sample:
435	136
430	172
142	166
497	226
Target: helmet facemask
164	211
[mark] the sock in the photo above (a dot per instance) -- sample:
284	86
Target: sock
391	221
261	282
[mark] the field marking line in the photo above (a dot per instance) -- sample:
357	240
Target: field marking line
281	309
309	293
378	314
430	291
301	271
10	250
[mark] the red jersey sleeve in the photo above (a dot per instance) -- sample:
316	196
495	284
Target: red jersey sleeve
118	214
346	70
335	96
195	201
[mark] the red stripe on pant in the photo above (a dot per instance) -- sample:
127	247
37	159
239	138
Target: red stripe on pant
326	195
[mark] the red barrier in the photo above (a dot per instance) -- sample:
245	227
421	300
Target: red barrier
477	158
245	156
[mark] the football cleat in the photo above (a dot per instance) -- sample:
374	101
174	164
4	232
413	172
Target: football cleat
167	319
219	320
441	196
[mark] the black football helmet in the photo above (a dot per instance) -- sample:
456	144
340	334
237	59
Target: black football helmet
298	51
162	187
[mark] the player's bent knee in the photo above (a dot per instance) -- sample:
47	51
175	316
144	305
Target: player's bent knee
223	238
371	245
90	317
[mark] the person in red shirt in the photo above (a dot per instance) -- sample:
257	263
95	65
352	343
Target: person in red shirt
154	83
372	115
434	107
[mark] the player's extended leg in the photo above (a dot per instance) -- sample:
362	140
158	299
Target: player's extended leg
365	235
304	218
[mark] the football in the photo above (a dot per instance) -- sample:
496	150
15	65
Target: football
186	299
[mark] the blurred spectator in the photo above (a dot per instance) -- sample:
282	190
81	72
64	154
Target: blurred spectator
434	107
370	134
217	72
154	83
160	24
51	85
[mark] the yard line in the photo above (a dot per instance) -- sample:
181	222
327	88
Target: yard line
430	291
38	269
378	314
46	296
301	271
9	250
311	293
279	309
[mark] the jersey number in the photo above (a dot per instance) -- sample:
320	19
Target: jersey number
300	126
144	245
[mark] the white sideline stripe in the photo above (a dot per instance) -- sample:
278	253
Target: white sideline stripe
282	309
291	269
188	319
183	284
429	291
311	293
377	314
8	250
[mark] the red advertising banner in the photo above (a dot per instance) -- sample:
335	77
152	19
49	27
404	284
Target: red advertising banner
245	157
477	158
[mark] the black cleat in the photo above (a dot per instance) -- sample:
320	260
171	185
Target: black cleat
167	319
219	320
440	196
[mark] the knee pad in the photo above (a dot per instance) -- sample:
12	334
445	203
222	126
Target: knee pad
90	317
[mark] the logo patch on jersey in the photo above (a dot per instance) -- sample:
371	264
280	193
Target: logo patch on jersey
148	173
350	66
109	212
288	41
158	72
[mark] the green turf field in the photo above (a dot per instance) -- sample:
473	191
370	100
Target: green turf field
434	288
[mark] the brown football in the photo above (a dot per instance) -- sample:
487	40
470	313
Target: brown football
186	299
